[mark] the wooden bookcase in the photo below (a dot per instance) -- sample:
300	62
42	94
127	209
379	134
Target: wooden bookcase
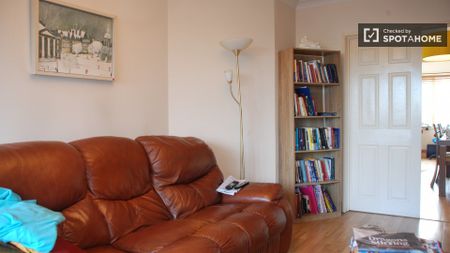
328	97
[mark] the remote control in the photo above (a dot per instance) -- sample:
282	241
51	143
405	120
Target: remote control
241	184
231	185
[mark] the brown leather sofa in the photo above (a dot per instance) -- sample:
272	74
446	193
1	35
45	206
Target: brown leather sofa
152	194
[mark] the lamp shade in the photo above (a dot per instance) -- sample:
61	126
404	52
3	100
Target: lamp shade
236	44
228	75
436	54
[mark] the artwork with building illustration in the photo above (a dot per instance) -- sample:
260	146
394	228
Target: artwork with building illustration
74	41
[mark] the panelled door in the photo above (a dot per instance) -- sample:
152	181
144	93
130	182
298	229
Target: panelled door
384	115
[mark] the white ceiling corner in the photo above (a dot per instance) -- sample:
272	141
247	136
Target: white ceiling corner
292	3
314	3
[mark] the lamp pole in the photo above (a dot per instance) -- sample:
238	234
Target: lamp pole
242	152
236	46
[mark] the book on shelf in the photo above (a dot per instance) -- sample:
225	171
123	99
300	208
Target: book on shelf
311	138
315	170
314	199
314	71
304	103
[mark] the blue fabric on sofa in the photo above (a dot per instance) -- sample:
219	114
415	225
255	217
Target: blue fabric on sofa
27	223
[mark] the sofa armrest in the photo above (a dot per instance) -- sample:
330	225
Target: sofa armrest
256	192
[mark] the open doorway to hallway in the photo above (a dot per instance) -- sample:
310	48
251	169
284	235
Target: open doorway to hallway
435	123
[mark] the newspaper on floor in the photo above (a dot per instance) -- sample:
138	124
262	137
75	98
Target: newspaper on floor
374	239
231	181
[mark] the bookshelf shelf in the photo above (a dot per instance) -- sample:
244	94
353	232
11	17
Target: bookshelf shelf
315	84
317	151
317	117
315	52
318	183
321	71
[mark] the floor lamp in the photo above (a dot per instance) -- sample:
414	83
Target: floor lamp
236	46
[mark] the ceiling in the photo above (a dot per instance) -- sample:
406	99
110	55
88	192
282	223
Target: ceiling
313	3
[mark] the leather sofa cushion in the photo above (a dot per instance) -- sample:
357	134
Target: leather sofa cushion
272	215
217	228
125	216
104	249
117	168
63	246
185	173
53	173
156	237
123	199
85	226
193	244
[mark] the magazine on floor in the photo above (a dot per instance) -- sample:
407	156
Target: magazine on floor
374	239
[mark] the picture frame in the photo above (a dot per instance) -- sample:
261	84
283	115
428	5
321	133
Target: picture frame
72	41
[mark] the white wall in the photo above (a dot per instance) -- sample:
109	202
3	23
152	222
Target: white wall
37	107
199	101
442	67
284	38
427	137
432	68
328	24
284	24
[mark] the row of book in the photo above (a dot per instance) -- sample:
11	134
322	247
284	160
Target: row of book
314	199
315	72
315	170
310	138
304	103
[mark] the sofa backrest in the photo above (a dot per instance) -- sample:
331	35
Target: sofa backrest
184	172
51	172
54	174
102	185
120	188
106	186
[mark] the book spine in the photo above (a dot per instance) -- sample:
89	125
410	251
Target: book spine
338	137
302	139
295	70
303	106
303	171
327	194
323	166
336	79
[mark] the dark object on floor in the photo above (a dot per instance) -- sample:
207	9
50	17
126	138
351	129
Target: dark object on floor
431	151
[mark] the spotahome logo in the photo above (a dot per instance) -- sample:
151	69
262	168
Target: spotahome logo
402	35
371	35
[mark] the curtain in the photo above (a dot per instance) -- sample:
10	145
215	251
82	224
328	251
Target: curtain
436	100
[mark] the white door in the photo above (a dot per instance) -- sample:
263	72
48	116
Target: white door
384	113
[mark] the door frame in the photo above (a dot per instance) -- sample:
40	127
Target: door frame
347	125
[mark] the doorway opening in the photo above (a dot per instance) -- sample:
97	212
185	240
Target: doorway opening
435	124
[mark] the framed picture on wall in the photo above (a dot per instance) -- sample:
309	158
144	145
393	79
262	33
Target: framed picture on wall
71	41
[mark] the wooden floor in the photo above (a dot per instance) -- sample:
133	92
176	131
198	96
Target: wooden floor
333	235
432	206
